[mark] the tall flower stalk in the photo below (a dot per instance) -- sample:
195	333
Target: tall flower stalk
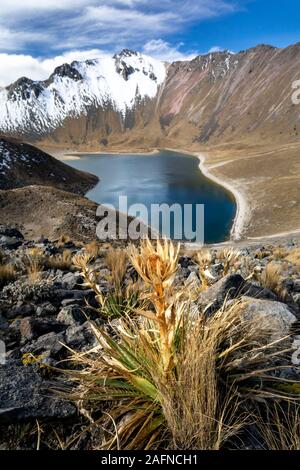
157	266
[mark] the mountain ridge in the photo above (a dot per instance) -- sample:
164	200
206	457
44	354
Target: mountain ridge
24	165
234	110
37	107
133	100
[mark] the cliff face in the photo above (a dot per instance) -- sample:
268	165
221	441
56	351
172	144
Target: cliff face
133	100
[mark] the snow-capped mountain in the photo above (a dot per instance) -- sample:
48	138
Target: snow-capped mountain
136	101
116	83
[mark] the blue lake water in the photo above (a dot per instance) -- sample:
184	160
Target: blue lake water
165	177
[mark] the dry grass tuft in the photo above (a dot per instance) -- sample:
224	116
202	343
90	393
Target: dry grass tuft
62	261
271	278
294	257
7	274
218	364
63	240
34	262
280	427
229	257
116	261
93	248
198	414
279	254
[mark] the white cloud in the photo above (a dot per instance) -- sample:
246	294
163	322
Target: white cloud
165	51
14	66
54	27
19	7
118	18
11	40
215	49
69	24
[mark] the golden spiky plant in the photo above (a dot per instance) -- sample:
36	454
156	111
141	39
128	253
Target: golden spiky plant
176	381
186	411
124	299
82	261
204	258
157	266
229	257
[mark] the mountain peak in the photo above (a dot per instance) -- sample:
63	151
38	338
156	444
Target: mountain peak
119	82
67	70
126	53
23	87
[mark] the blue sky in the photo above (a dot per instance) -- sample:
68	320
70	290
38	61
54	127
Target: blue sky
37	35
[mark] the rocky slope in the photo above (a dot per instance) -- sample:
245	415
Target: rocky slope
49	212
43	211
135	101
22	165
40	318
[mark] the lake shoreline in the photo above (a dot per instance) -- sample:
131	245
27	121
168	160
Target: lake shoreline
220	203
242	209
241	205
243	212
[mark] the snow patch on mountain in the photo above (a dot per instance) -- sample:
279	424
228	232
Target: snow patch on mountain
9	156
117	82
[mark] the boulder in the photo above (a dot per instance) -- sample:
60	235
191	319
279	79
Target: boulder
273	316
31	328
7	231
81	337
11	243
3	322
231	287
192	281
48	345
258	292
71	280
71	315
19	311
45	310
226	288
25	397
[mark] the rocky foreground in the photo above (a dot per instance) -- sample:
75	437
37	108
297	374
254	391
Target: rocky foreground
46	308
